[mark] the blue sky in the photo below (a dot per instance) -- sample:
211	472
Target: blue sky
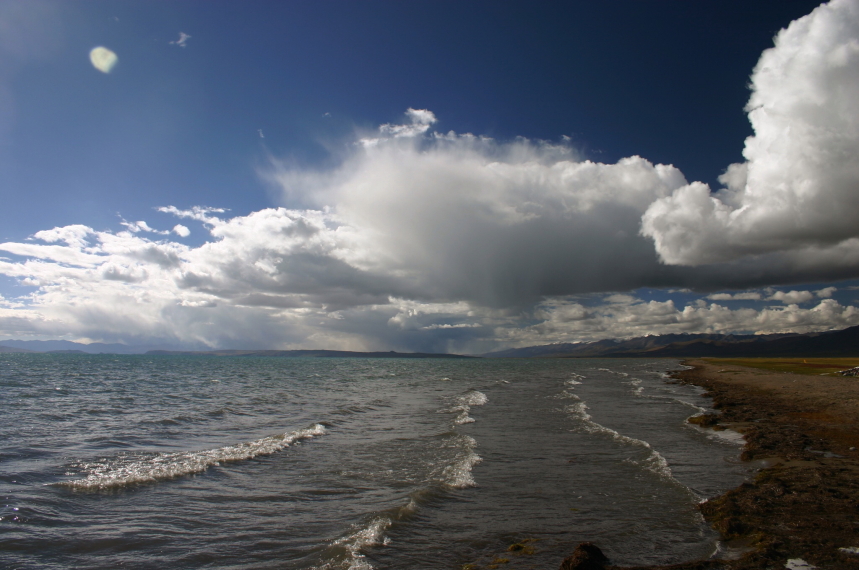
437	176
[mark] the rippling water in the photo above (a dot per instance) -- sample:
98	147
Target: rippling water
203	462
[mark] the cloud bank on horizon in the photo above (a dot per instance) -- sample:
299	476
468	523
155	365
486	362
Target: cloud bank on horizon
425	240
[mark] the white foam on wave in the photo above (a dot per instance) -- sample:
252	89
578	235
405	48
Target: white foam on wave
729	436
132	470
462	405
653	462
683	402
566	395
691	405
474	398
370	535
348	550
723	435
463	418
459	473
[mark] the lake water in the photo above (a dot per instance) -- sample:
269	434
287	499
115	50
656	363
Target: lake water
203	462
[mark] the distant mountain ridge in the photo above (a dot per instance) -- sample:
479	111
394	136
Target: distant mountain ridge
607	347
822	344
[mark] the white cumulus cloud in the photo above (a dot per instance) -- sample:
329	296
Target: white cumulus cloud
798	192
791	297
746	296
826	292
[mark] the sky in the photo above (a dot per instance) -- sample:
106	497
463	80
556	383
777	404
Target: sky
431	176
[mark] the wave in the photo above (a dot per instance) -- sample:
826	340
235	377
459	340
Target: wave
727	435
566	395
462	405
133	470
346	553
370	535
654	461
722	435
682	402
618	372
463	418
691	405
474	398
458	475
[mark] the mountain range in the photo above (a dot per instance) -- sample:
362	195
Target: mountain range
822	344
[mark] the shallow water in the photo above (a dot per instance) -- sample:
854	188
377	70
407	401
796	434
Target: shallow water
204	462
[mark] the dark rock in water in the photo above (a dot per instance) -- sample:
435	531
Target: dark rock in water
586	556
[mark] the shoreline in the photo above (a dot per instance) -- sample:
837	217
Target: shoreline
802	504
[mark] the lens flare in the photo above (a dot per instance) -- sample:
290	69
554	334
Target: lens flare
103	59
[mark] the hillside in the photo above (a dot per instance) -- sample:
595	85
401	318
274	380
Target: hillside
824	344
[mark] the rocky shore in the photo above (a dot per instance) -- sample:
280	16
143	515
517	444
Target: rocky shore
801	509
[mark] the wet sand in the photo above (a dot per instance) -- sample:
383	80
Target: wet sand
802	434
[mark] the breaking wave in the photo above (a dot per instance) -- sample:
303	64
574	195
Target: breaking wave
132	470
346	553
653	462
462	405
458	473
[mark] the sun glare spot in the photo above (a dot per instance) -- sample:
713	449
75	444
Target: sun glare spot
103	59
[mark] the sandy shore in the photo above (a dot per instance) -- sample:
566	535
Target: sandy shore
802	433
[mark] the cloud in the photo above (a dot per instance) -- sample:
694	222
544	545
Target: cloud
460	217
826	292
420	121
199	213
796	192
570	321
141	226
747	296
791	297
281	278
421	240
182	41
